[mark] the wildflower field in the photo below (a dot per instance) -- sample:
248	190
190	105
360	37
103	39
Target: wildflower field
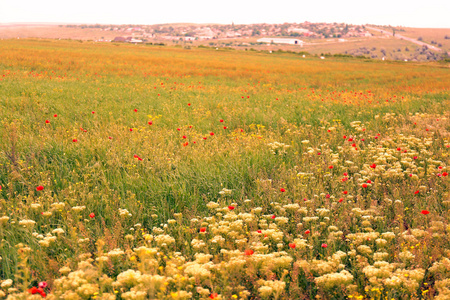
149	172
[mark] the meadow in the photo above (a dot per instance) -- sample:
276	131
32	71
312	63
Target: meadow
150	172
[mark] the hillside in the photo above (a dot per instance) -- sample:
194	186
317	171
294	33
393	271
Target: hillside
371	41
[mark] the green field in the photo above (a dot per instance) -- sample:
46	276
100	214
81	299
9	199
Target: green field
146	172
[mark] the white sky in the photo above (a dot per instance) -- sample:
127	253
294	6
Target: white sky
412	13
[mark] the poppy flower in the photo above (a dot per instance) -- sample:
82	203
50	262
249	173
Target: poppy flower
424	212
55	115
341	199
282	190
369	181
221	121
74	140
324	245
202	229
47	121
150	123
224	127
345	192
249	252
93	112
189	104
211	134
307	231
444	174
416	192
292	245
330	167
92	215
184	137
230	207
364	185
131	129
373	166
110	137
39	188
42	284
179	129
415	157
258	231
273	216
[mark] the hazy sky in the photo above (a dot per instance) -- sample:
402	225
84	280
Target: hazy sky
413	13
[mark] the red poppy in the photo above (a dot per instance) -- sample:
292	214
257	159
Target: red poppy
373	166
230	207
47	121
364	185
221	121
273	216
202	229
345	192
135	110
341	199
184	137
92	215
424	212
93	112
324	245
205	138
74	140
189	104
416	192
131	129
369	181
249	252
55	116
330	167
292	245
211	133
224	127
444	174
39	188
179	129
282	190
150	123
258	231
318	153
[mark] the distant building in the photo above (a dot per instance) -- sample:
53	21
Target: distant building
281	41
120	39
129	39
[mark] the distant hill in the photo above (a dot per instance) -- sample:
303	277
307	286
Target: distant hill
370	41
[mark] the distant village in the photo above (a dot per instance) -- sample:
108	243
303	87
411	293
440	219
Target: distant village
289	33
